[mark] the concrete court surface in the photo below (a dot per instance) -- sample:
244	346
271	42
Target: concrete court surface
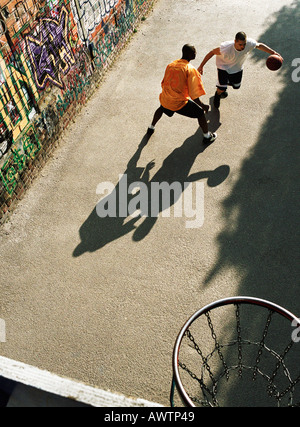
101	301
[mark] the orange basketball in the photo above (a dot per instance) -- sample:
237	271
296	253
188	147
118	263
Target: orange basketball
274	62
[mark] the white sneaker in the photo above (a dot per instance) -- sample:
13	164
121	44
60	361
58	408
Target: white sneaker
210	139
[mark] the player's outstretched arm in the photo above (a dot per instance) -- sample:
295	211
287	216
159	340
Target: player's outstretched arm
267	49
212	53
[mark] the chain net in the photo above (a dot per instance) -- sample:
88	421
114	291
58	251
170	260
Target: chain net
240	355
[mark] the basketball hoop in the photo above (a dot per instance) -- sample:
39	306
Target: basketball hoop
237	352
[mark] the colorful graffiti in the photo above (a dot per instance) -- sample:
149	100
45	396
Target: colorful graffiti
89	14
52	53
16	162
17	96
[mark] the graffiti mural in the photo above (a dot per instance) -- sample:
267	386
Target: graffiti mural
16	162
17	99
50	52
115	31
52	55
89	14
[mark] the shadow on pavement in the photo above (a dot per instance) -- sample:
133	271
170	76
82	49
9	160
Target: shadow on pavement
261	234
96	232
261	239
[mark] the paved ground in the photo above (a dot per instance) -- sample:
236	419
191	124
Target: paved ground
101	301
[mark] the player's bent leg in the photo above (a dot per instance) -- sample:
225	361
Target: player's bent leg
208	137
203	124
235	80
157	116
194	111
221	90
217	99
222	84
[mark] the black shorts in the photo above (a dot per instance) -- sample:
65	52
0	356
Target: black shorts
225	79
191	109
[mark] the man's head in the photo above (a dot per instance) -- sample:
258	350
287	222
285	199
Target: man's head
240	41
188	52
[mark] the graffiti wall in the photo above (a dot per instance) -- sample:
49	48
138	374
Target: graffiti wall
52	54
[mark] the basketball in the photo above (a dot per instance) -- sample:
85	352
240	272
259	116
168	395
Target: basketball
274	62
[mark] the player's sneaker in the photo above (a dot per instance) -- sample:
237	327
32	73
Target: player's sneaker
210	139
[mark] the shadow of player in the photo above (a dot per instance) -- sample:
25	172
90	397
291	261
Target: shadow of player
96	232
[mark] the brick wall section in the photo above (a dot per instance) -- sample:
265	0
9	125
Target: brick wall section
37	105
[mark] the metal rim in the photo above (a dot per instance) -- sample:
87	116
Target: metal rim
222	302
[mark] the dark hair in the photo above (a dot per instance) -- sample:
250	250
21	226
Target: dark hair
241	36
188	49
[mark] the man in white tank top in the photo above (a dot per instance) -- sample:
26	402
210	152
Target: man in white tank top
230	58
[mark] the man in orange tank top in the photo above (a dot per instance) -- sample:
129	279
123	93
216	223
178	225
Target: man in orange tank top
181	90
